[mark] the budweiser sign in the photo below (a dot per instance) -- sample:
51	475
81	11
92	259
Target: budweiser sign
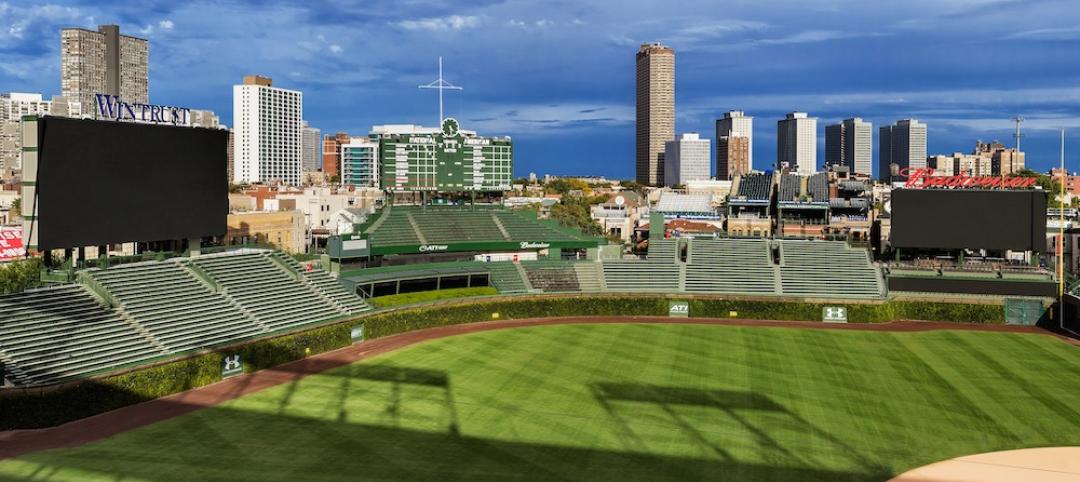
925	178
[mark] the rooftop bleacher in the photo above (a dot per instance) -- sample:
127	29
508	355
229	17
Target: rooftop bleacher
753	188
789	188
675	203
817	187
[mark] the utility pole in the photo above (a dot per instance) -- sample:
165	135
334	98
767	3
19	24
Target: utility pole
1017	135
441	85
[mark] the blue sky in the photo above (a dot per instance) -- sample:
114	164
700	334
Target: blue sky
558	76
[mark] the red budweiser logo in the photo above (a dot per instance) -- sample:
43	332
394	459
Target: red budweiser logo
924	178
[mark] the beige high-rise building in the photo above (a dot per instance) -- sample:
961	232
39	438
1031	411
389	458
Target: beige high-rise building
655	110
103	62
1003	160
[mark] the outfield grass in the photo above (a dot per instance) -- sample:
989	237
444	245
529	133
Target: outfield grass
422	296
620	402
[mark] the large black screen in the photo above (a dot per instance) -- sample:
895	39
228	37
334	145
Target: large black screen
973	219
102	182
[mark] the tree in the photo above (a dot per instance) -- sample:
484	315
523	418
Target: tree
573	211
17	276
1049	184
16	209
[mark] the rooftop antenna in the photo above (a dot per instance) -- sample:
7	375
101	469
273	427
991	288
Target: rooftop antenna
1018	135
442	85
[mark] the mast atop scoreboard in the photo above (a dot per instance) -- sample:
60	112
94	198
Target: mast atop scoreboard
440	84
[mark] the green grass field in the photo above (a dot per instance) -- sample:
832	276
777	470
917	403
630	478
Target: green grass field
619	402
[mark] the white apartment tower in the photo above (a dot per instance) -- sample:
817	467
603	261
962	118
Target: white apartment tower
267	144
103	62
736	123
796	143
686	159
902	144
312	146
850	143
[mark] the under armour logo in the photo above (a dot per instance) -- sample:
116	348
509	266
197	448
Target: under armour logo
232	363
834	312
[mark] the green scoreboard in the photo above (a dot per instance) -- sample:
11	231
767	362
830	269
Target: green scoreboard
446	161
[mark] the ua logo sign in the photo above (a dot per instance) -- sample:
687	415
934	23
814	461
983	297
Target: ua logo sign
834	313
232	363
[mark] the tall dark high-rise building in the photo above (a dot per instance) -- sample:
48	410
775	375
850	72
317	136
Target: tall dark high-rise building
850	143
902	144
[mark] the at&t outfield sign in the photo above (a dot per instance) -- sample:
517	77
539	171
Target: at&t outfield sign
680	309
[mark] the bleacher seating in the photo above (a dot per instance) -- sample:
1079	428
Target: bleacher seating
552	276
49	335
590	276
267	292
506	277
827	269
522	228
393	229
635	275
663	250
789	188
175	307
755	187
740	266
466	226
818	187
408	225
327	285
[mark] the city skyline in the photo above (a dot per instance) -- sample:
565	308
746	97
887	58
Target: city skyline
574	114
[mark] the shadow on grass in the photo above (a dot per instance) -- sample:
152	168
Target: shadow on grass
231	444
734	405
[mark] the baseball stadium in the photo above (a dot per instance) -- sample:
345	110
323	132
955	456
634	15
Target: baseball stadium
479	342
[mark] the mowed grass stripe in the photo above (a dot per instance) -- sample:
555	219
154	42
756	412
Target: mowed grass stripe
612	402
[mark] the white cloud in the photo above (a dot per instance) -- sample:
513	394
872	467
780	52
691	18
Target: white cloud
528	118
452	22
1065	33
166	25
336	49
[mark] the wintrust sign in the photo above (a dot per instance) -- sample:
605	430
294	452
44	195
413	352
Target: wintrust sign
112	108
925	178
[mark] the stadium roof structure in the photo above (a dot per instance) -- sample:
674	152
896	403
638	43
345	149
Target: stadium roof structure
442	229
686	206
